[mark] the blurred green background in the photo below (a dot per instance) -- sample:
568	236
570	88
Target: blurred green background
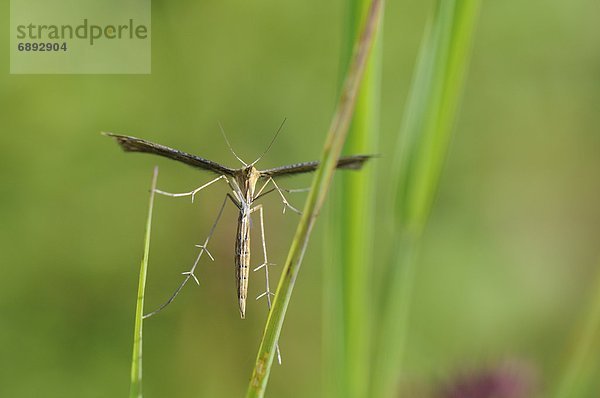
509	259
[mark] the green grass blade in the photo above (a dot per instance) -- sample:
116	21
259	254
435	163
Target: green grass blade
347	274
582	366
320	186
427	125
136	362
431	110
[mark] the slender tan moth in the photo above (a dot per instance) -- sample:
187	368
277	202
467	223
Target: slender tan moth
242	182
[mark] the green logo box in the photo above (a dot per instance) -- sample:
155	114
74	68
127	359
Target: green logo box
80	37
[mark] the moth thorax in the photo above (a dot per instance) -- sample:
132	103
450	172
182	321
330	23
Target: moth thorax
246	179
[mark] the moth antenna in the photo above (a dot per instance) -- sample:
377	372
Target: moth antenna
229	145
271	144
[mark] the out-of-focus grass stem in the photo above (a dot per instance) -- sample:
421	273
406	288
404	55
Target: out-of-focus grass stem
421	149
582	366
350	234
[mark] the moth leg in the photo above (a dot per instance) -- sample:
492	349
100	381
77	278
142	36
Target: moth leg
268	293
260	193
190	274
295	190
286	204
191	193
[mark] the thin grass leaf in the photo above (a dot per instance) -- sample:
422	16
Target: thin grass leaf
319	188
420	153
136	362
582	366
347	279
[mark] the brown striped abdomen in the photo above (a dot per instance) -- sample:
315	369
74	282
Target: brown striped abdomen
242	260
